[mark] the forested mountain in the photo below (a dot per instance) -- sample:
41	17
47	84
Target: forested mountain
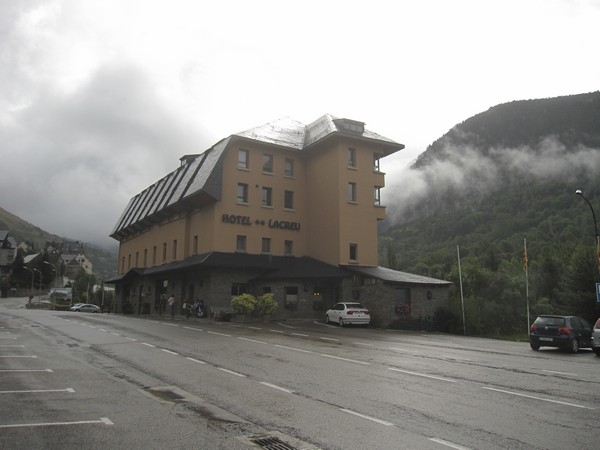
501	177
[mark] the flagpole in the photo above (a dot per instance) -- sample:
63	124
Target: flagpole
525	264
462	300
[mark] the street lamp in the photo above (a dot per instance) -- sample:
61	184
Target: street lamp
55	271
40	291
580	193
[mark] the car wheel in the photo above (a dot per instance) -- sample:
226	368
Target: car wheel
341	322
534	346
573	345
597	351
327	319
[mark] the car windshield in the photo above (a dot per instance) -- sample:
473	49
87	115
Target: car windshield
550	321
354	306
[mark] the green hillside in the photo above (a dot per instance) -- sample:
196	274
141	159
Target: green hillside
498	178
103	261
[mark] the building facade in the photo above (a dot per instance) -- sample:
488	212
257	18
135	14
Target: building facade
285	208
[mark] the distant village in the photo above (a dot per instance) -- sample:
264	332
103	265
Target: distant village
29	271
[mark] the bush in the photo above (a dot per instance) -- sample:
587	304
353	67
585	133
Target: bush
266	304
243	304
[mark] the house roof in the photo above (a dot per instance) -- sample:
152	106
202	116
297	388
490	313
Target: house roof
395	276
199	178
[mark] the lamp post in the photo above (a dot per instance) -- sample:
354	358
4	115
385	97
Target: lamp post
40	291
580	193
32	275
55	271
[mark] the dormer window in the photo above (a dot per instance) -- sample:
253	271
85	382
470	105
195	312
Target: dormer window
352	126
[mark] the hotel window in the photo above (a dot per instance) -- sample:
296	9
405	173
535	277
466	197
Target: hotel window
154	255
137	259
376	162
288	200
267	196
240	245
164	251
353	252
288	248
377	196
174	249
266	245
352	192
243	159
352	158
238	289
195	244
129	261
242	193
289	167
145	257
267	161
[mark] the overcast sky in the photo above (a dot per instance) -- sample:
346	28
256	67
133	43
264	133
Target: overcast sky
100	99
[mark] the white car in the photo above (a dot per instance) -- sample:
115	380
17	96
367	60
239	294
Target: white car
348	313
85	307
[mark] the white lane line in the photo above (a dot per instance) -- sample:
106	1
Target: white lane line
346	359
293	348
363	343
102	329
255	328
424	375
104	420
232	372
38	391
300	334
148	345
276	387
115	334
26	370
219	334
539	398
449	444
329	339
131	339
8	338
169	351
170	324
195	360
251	340
18	356
560	373
12	345
192	328
372	419
284	325
412	352
276	331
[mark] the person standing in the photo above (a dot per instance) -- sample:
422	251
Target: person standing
171	303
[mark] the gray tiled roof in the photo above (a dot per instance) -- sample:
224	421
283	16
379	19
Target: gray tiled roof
395	276
200	176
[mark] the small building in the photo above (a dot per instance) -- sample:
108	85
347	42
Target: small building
286	208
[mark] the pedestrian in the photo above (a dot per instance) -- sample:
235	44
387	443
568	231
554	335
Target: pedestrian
171	303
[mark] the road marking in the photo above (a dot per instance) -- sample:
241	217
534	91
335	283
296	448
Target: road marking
422	375
232	372
18	356
255	328
192	328
148	345
38	391
372	419
251	340
170	324
560	373
131	339
539	398
12	345
169	351
300	334
276	387
346	359
449	444
7	338
276	331
219	334
412	352
195	360
102	329
104	420
293	348
26	370
328	339
284	325
115	334
363	343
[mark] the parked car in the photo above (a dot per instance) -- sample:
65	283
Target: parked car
596	338
85	307
348	313
75	305
568	333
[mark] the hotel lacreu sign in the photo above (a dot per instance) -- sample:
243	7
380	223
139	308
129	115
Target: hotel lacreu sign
271	223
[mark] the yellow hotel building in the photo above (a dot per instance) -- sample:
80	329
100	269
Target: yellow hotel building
286	208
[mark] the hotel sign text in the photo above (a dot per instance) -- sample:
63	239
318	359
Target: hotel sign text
271	223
